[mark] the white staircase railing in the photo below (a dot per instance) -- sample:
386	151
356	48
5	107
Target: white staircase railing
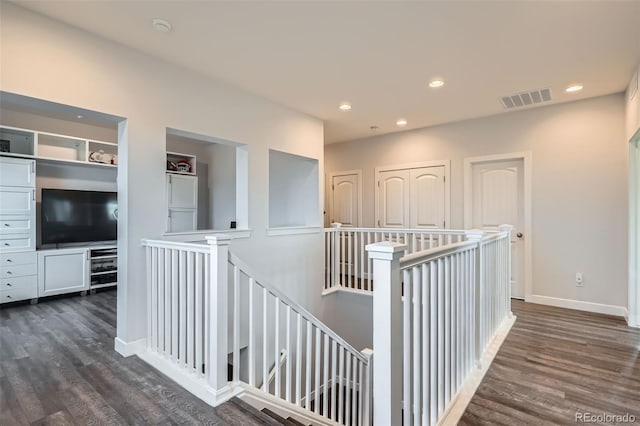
322	373
206	310
443	307
347	266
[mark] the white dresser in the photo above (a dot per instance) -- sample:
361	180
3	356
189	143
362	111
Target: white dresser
18	260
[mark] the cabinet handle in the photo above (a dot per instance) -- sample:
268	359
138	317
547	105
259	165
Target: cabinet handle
6	224
33	195
6	244
9	285
8	297
9	273
9	260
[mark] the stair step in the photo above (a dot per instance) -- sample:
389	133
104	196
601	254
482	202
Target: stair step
287	422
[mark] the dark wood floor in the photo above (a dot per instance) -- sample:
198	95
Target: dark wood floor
58	366
556	363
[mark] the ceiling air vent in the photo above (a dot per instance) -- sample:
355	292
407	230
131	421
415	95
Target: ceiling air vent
525	99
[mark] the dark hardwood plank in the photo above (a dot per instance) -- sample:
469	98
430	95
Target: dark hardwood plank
58	367
556	363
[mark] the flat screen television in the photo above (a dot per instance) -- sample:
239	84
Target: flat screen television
70	216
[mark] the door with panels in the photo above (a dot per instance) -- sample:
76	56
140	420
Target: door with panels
346	199
497	198
412	198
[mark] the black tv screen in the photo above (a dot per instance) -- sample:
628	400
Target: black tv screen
70	216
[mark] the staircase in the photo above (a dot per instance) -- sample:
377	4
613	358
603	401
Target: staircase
224	333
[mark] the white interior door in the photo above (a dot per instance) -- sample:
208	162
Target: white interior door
394	205
497	199
427	197
345	200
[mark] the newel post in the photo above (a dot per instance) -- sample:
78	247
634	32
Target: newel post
218	305
479	316
387	332
509	230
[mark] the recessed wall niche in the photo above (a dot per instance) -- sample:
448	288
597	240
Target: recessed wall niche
293	191
205	183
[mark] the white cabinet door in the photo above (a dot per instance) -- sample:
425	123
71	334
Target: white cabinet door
345	200
427	197
17	172
394	199
17	201
182	220
182	191
62	271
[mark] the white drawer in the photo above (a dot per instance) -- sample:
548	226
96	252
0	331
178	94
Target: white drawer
13	259
17	201
29	282
16	225
18	270
16	242
17	294
17	172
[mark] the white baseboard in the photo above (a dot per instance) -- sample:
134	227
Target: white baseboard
459	403
127	349
618	311
193	383
634	321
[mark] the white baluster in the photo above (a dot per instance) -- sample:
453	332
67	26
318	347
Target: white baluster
276	346
265	341
407	372
190	361
298	380
199	319
236	324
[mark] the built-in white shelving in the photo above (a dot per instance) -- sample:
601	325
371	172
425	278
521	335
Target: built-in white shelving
51	147
177	161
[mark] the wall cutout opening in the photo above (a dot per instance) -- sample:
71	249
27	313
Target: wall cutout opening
293	191
206	183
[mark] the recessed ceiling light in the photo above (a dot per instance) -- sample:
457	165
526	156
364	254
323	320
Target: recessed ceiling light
161	25
401	122
80	116
436	82
573	88
345	106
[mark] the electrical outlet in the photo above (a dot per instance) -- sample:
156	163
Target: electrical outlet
579	282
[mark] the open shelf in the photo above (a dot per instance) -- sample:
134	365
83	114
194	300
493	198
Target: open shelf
16	142
51	147
176	160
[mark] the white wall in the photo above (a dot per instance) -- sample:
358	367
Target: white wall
293	190
633	104
48	60
579	186
222	181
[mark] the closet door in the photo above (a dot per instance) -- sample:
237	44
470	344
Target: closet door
427	201
394	199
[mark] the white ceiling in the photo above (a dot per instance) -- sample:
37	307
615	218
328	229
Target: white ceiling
380	56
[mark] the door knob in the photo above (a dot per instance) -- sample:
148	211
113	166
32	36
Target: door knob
519	235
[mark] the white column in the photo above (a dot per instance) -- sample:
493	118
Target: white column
508	229
387	332
218	305
476	235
